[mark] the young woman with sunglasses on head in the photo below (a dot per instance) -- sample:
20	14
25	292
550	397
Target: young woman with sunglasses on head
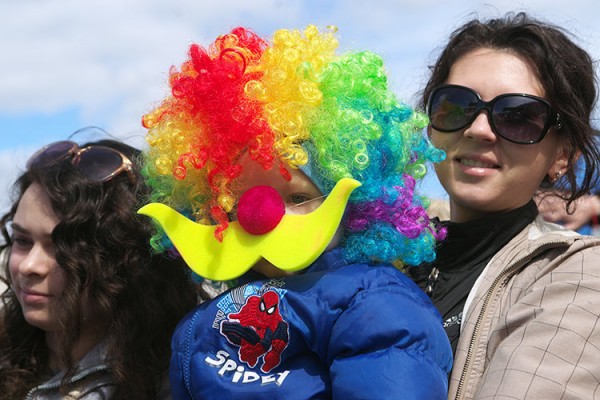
89	311
509	100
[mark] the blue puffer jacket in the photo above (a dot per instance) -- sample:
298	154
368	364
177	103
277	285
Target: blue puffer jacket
356	332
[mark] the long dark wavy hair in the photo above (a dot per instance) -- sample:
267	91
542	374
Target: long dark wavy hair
565	71
102	246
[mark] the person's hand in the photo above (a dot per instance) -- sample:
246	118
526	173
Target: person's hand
554	209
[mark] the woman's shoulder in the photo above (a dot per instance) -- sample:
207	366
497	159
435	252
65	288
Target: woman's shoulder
548	251
542	236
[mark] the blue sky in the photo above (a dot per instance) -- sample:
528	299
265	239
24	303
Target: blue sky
68	64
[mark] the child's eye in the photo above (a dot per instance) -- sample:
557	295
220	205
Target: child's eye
299	203
298	198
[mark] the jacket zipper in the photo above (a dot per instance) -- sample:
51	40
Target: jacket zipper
51	386
486	302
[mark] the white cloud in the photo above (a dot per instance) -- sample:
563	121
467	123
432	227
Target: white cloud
114	55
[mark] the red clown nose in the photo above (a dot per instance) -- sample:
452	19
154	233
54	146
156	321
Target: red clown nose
260	209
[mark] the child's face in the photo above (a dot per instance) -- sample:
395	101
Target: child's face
299	194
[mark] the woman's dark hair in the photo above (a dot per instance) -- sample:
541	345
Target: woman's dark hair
102	245
565	71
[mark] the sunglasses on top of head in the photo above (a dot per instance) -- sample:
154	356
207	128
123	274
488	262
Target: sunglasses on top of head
97	163
518	118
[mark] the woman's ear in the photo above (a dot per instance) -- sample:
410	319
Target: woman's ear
562	162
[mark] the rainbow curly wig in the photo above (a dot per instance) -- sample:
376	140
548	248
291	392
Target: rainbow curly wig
293	102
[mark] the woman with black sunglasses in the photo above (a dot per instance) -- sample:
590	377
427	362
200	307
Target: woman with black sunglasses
89	311
509	100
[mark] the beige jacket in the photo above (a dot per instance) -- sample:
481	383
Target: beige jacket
531	327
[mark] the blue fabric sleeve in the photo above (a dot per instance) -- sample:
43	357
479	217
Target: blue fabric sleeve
177	369
178	388
181	347
389	345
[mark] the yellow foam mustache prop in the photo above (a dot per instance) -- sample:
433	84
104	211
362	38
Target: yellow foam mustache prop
296	242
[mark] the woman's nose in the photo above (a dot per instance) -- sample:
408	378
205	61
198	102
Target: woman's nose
481	129
36	262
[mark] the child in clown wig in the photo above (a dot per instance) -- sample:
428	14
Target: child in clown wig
292	169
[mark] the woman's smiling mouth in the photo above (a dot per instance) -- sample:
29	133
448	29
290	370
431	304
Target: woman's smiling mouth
476	163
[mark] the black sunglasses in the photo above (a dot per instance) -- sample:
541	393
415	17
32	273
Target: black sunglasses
518	118
96	163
